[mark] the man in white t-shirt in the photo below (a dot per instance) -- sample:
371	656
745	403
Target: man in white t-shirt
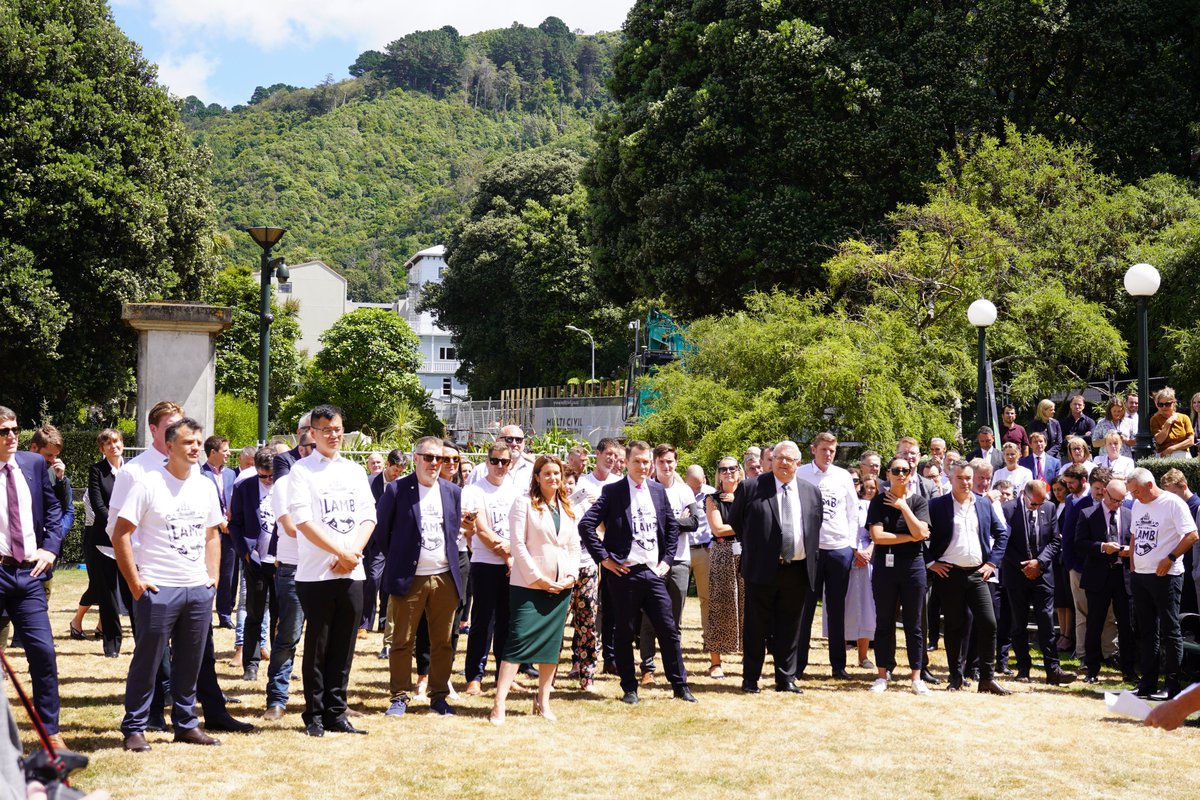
1161	531
835	557
171	577
520	470
687	513
485	509
331	506
608	456
420	518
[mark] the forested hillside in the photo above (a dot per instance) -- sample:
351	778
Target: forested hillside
365	172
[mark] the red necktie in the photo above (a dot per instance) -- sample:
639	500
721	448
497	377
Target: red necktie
16	532
1041	475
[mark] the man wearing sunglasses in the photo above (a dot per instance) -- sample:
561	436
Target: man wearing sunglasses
485	516
1102	540
420	517
520	470
251	525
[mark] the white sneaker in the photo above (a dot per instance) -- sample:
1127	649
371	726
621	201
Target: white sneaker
919	687
879	686
866	664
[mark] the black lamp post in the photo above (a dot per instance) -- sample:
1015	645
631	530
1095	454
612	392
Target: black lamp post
1141	281
982	313
266	238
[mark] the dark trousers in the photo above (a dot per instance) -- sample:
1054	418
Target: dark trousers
181	617
228	578
1023	594
23	599
833	578
332	610
373	562
1156	600
489	618
970	648
774	610
162	681
963	589
260	596
1111	591
641	591
103	570
208	691
608	620
677	586
902	584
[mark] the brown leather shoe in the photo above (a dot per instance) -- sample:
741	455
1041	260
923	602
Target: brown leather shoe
195	736
136	743
274	713
473	689
362	633
56	741
991	687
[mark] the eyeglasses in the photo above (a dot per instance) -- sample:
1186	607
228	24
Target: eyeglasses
266	476
898	471
330	430
430	458
11	430
499	462
727	469
512	439
857	482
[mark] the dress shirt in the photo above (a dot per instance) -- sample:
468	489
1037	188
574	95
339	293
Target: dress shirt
24	502
793	499
964	549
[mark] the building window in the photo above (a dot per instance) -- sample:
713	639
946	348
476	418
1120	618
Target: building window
285	288
446	354
446	384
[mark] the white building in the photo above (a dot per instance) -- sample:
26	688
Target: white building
437	348
321	294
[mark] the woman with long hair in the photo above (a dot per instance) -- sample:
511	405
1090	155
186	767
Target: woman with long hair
726	591
1045	424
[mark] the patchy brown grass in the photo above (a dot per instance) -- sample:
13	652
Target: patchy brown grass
834	741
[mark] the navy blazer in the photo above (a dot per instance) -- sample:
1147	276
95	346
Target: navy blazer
1070	527
614	509
398	532
48	530
1046	539
1090	532
244	525
1050	466
755	517
224	486
993	535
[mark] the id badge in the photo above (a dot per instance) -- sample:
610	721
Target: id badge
889	560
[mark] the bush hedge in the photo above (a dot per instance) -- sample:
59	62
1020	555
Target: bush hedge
72	546
1190	467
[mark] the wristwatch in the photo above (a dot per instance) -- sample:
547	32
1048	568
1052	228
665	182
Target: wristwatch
1172	556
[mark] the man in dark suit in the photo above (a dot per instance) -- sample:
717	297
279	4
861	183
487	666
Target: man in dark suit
779	520
1102	541
966	543
640	540
987	449
216	469
283	461
31	534
1028	565
1043	465
420	516
251	527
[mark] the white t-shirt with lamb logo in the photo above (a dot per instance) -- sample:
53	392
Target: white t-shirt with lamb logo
644	549
1157	529
333	494
496	502
172	518
431	559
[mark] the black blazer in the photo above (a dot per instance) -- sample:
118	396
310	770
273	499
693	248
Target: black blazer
1090	532
996	456
755	517
398	532
1046	538
993	536
244	525
100	485
614	509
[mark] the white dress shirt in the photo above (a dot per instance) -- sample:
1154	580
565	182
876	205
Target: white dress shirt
793	499
965	549
24	502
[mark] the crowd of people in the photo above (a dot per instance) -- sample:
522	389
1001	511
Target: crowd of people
1051	521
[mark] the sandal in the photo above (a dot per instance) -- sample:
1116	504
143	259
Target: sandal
715	672
77	633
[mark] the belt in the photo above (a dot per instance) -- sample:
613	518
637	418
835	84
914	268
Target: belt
9	561
967	569
791	563
700	546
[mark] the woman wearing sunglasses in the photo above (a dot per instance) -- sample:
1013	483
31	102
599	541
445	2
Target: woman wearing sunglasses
898	521
1172	431
726	591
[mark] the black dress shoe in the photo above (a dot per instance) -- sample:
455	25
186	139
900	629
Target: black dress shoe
1091	679
314	729
136	743
344	726
630	698
682	692
929	678
991	687
224	621
1003	669
386	652
955	684
1160	696
609	669
1144	692
842	675
196	736
1131	677
790	687
748	688
1023	676
228	724
1056	677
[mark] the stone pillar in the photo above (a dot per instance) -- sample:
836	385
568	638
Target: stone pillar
176	358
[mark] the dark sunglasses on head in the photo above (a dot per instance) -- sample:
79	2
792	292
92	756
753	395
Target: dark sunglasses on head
899	471
512	439
499	462
10	430
430	458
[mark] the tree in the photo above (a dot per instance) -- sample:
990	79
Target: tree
367	366
367	61
518	273
426	60
105	201
263	92
237	348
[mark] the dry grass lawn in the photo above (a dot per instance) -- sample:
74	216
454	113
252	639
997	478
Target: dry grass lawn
834	741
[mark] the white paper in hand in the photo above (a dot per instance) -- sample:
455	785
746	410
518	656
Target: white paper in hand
1127	704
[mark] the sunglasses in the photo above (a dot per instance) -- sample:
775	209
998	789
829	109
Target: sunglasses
1166	404
512	439
266	476
899	471
727	469
449	459
430	458
856	481
499	462
11	430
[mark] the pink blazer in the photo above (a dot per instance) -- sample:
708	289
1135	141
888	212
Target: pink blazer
538	552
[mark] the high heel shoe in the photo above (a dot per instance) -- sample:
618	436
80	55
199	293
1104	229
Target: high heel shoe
540	711
497	715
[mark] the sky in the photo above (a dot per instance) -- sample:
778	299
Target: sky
219	50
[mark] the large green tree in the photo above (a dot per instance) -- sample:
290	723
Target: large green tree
103	200
749	138
519	272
